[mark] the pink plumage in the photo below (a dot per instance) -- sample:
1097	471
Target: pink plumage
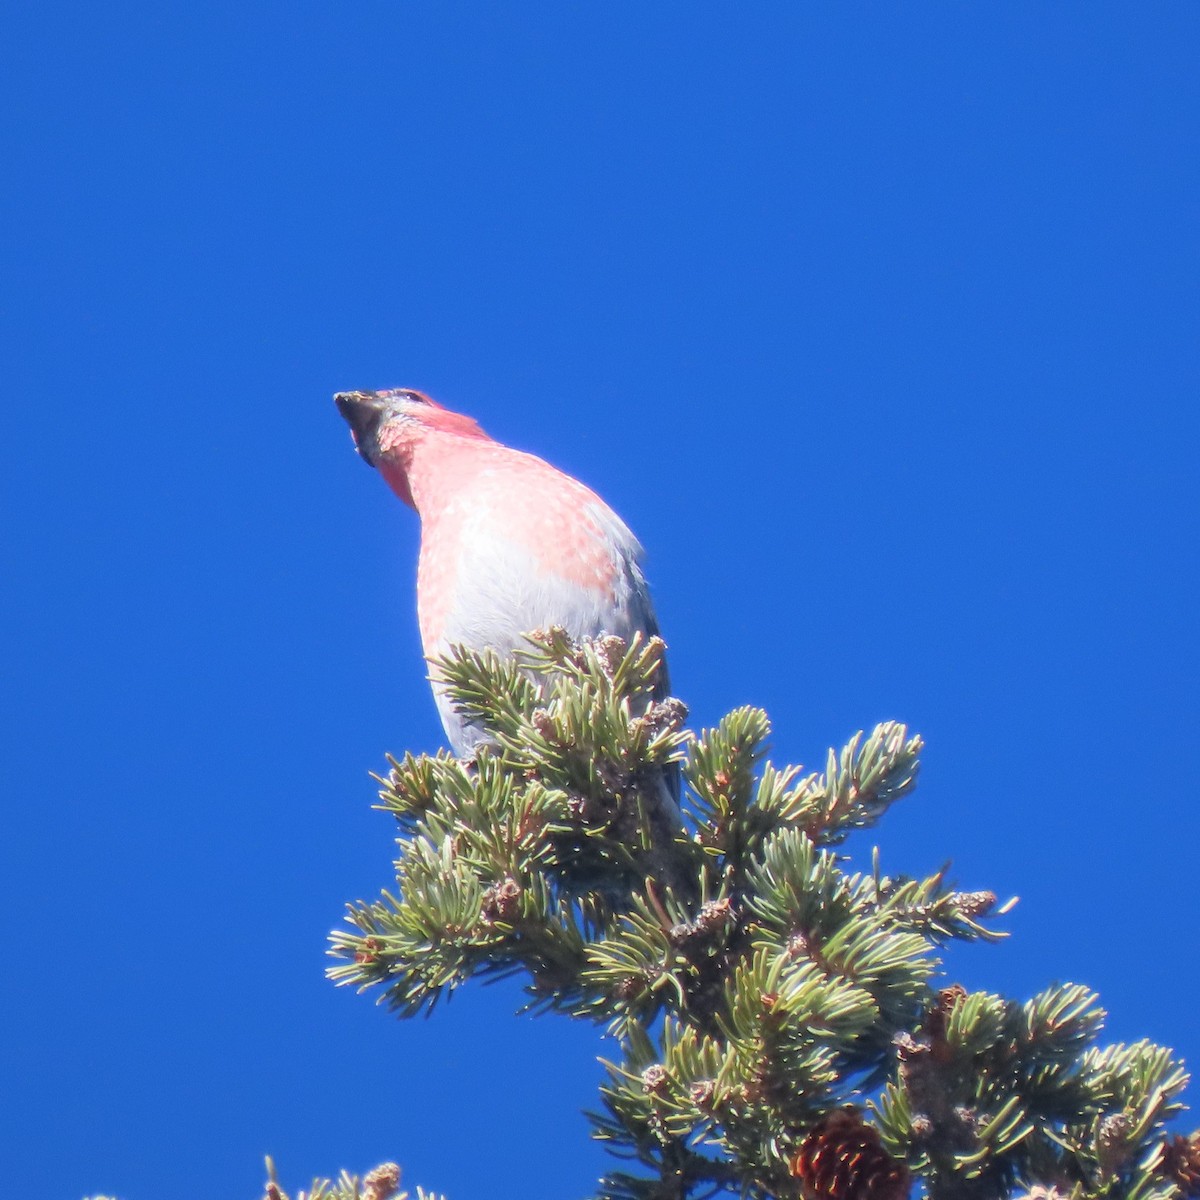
509	543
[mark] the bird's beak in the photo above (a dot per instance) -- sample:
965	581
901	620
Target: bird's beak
363	412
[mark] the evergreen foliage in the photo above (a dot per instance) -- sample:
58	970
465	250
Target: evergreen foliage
783	1028
382	1183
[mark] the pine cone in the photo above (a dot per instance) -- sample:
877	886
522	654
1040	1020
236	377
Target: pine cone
382	1183
948	999
842	1158
1181	1163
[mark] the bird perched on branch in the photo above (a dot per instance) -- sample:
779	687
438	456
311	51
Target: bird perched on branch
509	544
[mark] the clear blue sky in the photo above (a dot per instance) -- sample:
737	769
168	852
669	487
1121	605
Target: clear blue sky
878	323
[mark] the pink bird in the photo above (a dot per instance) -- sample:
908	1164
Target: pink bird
509	544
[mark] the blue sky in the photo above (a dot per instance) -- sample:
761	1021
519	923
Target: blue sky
878	323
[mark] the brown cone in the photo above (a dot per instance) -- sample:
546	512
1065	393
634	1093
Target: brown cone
842	1158
948	999
1181	1164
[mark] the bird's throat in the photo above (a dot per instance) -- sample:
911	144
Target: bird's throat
396	472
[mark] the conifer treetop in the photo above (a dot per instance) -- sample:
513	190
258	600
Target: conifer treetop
783	1023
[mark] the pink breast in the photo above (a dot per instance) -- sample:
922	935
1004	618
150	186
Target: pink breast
476	497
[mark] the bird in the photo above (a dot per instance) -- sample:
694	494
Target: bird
509	543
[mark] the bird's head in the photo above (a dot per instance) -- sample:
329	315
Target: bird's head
389	426
386	424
